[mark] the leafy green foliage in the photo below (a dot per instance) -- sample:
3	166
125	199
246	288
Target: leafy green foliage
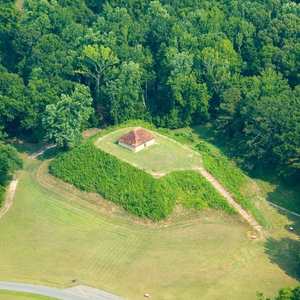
9	163
176	63
64	121
125	94
12	102
284	294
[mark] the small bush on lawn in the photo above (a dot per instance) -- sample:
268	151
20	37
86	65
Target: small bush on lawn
93	170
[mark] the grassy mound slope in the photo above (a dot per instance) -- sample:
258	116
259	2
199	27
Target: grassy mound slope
94	170
225	170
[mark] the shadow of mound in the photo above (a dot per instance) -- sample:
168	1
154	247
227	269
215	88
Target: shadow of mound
286	254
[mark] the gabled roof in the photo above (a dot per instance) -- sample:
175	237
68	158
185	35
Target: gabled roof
136	137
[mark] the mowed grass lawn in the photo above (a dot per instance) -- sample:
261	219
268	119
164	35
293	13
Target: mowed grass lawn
52	237
7	295
164	156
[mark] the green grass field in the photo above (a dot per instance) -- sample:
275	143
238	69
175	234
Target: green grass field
53	235
165	156
7	295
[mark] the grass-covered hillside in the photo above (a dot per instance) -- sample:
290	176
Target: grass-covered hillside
91	169
94	170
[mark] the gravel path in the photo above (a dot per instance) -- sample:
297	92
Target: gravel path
217	185
76	293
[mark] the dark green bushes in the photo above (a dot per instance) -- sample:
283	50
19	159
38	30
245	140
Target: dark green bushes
93	170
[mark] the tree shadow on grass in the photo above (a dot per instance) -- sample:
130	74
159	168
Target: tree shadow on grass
50	153
286	254
286	196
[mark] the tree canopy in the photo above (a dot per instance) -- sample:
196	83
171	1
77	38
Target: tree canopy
175	63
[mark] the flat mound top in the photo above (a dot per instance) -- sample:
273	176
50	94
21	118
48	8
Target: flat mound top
136	137
165	156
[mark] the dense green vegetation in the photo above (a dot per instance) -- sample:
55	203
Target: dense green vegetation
94	170
175	63
66	119
9	162
193	191
284	294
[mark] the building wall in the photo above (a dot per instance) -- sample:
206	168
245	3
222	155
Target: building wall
126	146
139	148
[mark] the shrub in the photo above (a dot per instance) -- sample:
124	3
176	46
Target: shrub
93	170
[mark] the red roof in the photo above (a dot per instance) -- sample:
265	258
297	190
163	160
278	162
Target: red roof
136	137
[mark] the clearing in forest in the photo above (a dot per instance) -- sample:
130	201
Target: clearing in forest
165	156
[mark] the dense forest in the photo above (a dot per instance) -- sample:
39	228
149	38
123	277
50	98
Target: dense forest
69	64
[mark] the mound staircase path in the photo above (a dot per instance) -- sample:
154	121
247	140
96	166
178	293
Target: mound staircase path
243	213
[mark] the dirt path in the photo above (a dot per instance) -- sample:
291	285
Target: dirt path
41	152
244	214
9	197
20	5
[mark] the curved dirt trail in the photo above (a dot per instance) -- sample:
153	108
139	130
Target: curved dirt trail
244	214
9	197
10	193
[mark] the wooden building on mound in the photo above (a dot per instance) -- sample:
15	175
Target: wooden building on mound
137	139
